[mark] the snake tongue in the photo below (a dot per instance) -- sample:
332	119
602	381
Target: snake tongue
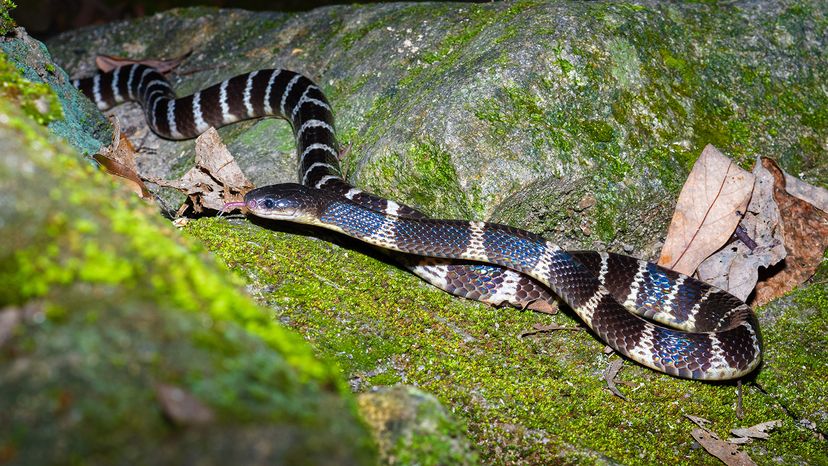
233	205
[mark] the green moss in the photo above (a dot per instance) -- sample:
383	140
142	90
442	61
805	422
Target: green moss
36	99
67	253
6	21
124	296
426	178
533	397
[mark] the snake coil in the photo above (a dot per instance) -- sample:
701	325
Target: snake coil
694	330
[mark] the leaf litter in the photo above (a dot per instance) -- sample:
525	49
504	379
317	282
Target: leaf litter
735	268
744	232
706	213
215	180
728	450
118	159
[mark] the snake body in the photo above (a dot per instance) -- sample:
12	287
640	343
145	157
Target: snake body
714	336
294	97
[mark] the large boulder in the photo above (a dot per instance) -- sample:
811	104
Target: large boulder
122	342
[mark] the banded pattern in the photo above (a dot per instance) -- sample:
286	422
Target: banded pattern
294	97
717	336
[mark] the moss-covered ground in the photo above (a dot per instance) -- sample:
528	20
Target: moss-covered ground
529	398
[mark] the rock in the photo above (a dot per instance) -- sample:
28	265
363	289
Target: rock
103	301
457	109
413	427
516	112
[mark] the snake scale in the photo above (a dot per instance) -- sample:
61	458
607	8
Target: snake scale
657	317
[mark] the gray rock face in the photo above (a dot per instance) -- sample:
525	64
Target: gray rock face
462	110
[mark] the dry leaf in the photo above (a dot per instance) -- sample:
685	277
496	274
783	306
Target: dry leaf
707	211
108	63
814	195
119	160
541	305
735	268
181	407
609	377
759	431
699	421
214	181
805	233
728	453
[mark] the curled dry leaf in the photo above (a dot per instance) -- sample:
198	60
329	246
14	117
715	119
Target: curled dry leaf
805	233
735	268
118	159
215	180
708	210
181	407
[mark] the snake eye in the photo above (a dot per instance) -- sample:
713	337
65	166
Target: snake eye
268	203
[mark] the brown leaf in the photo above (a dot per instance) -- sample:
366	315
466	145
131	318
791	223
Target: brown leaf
699	421
609	377
728	453
215	180
814	195
707	211
118	159
805	233
541	305
735	268
108	63
181	407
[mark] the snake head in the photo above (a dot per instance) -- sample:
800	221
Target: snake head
289	201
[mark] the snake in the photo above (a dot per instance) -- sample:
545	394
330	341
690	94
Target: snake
657	317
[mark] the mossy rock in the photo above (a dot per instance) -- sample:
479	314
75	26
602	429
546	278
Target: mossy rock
412	427
579	121
104	304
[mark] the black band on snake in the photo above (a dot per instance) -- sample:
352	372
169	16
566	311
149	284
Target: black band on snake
714	335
